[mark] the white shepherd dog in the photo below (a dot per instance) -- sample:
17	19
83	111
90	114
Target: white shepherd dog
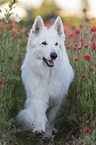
46	75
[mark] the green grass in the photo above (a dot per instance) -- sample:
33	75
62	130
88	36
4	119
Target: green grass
79	110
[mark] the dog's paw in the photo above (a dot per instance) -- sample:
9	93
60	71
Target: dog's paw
37	131
47	134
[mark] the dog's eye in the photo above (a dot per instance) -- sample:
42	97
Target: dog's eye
56	43
44	43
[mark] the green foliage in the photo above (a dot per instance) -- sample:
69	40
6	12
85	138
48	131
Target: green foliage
47	10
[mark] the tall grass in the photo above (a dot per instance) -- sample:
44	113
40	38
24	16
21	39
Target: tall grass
82	94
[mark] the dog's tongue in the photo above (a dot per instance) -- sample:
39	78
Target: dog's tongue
50	62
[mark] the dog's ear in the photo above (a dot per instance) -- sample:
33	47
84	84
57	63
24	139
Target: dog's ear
58	26
38	25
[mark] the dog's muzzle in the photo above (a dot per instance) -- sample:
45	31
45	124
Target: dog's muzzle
50	62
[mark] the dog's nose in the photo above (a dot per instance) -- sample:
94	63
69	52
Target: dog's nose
53	55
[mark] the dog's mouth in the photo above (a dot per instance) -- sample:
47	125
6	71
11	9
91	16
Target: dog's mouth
50	63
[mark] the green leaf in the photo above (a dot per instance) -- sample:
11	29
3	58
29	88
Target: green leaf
72	117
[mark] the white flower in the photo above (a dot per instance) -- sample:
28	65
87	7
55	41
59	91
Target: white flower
18	19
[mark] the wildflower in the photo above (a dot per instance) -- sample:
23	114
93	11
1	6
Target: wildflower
92	39
75	48
84	44
86	129
84	10
1	86
68	47
76	58
2	75
93	29
86	56
18	19
82	76
93	46
47	25
75	43
16	65
1	82
22	58
11	58
70	35
81	26
77	32
2	25
79	47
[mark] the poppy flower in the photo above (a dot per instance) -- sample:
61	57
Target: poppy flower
86	57
76	58
77	32
2	25
86	129
1	86
16	65
84	10
11	58
93	46
1	82
2	75
79	47
92	39
68	47
93	29
84	44
48	25
76	43
82	76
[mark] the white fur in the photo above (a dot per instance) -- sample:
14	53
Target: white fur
46	87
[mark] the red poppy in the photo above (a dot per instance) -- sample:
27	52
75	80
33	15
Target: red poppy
84	44
76	58
86	56
68	47
11	58
86	129
84	10
75	48
93	46
16	65
93	29
76	43
79	47
82	76
92	39
1	82
1	86
77	32
70	35
2	25
48	25
2	75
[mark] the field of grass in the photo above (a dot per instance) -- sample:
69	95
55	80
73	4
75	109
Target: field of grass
76	122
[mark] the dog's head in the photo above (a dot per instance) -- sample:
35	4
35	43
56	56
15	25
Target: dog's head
46	44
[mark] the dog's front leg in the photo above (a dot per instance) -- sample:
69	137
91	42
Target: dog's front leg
33	117
51	114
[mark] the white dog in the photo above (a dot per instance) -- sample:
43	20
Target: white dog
46	75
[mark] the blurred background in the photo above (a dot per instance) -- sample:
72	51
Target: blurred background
69	10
